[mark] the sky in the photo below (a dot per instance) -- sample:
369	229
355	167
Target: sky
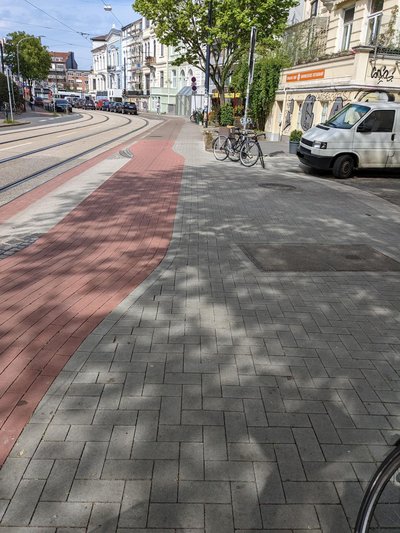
73	18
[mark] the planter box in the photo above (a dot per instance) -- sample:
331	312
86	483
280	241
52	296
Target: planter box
293	147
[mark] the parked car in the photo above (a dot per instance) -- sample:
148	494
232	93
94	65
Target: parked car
115	107
62	105
105	106
129	108
89	104
39	101
361	135
99	104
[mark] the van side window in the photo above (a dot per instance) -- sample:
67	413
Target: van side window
380	120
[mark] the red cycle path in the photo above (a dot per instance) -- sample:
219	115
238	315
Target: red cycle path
56	291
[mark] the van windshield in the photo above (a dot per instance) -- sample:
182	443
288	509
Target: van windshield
348	116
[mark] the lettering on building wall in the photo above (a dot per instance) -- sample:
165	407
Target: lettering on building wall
305	76
307	114
331	96
382	73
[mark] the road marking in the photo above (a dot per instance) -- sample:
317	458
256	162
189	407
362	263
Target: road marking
12	147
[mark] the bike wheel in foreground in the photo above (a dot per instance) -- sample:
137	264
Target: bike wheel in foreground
250	153
220	147
380	508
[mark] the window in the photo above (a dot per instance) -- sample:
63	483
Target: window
348	116
154	48
379	121
161	78
374	22
314	8
161	50
146	23
173	79
348	17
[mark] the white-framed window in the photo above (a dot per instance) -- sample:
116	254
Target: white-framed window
324	111
154	48
161	78
348	17
374	21
161	50
173	79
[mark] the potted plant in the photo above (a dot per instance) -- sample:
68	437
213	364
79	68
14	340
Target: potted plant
294	141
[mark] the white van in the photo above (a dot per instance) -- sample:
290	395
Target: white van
361	135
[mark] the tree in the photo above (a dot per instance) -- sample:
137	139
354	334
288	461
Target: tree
268	65
4	98
34	58
184	25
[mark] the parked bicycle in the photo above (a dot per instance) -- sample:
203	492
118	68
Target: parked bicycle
251	151
380	508
197	116
221	147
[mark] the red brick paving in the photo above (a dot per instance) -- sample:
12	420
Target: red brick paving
56	291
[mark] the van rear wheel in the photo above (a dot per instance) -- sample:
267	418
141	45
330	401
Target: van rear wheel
343	167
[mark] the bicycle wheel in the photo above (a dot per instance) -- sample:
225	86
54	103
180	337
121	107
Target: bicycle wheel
380	508
220	147
234	150
250	153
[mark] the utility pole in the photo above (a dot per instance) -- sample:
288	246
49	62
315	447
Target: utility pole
251	71
207	73
2	55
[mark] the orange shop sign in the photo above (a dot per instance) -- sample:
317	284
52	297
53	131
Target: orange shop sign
306	75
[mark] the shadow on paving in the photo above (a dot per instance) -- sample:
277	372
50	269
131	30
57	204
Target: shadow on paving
223	398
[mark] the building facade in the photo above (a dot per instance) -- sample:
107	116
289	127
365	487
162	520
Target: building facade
144	72
342	51
78	81
61	63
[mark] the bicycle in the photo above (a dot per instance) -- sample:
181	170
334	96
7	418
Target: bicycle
221	147
196	116
251	151
237	141
380	505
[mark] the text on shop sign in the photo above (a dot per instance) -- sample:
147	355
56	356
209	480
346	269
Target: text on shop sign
307	75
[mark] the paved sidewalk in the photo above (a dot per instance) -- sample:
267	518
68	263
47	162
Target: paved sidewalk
218	397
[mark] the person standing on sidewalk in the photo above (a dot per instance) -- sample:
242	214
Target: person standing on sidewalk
32	103
158	107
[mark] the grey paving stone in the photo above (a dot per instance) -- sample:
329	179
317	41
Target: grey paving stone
165	481
289	462
332	518
269	485
310	492
135	503
97	490
214	443
38	469
229	471
246	509
176	515
330	471
127	469
191	397
191	464
155	450
85	389
146	426
73	417
307	444
22	506
28	441
115	417
59	450
290	516
10	475
236	427
170	412
223	404
58	514
91	463
218	518
204	492
180	433
56	432
60	480
251	452
202	418
121	442
104	518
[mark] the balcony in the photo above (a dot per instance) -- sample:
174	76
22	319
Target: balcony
306	41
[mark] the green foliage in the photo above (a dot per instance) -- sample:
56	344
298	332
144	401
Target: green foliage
4	91
226	115
267	70
184	25
34	58
295	135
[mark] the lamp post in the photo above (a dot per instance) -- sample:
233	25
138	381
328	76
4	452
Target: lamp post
207	73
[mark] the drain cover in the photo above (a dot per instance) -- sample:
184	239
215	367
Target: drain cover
277	186
318	258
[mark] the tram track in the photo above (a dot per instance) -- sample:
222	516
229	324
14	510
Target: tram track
36	174
91	117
